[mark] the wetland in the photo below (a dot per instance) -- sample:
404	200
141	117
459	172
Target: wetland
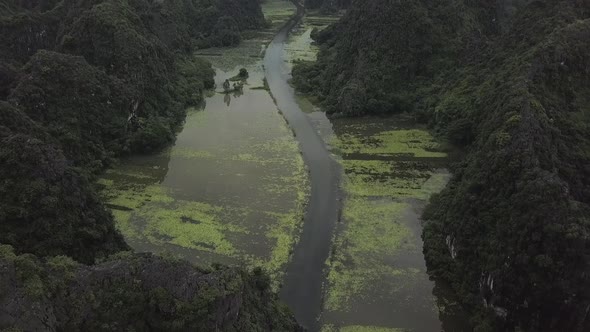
330	208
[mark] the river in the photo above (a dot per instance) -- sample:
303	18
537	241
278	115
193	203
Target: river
330	208
302	288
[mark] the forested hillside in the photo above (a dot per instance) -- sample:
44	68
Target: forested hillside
138	292
509	83
82	83
85	82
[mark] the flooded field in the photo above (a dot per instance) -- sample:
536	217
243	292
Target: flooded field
234	186
377	277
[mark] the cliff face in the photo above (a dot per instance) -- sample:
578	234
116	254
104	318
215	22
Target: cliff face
138	44
133	291
508	81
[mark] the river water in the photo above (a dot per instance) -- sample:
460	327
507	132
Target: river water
260	178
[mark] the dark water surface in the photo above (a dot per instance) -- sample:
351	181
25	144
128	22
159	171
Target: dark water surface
302	287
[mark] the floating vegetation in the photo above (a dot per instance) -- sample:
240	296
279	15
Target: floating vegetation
415	142
376	264
259	228
234	186
193	225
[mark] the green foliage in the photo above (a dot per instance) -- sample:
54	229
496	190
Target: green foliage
63	265
12	329
28	273
48	207
96	116
196	76
140	292
229	33
327	6
136	59
7	252
241	76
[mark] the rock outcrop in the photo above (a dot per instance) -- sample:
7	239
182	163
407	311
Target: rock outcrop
140	292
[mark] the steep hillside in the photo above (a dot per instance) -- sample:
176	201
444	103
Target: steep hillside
48	207
507	81
138	292
86	82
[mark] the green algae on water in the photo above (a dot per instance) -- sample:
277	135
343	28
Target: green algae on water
234	186
414	142
387	168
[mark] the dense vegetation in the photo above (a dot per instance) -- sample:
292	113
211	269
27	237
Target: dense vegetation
48	207
508	82
82	83
327	6
138	292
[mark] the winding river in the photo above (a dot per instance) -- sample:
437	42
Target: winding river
302	288
330	208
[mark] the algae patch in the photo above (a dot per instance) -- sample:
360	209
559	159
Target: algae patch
234	186
376	266
413	142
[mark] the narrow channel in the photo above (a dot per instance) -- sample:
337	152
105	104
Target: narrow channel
302	287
